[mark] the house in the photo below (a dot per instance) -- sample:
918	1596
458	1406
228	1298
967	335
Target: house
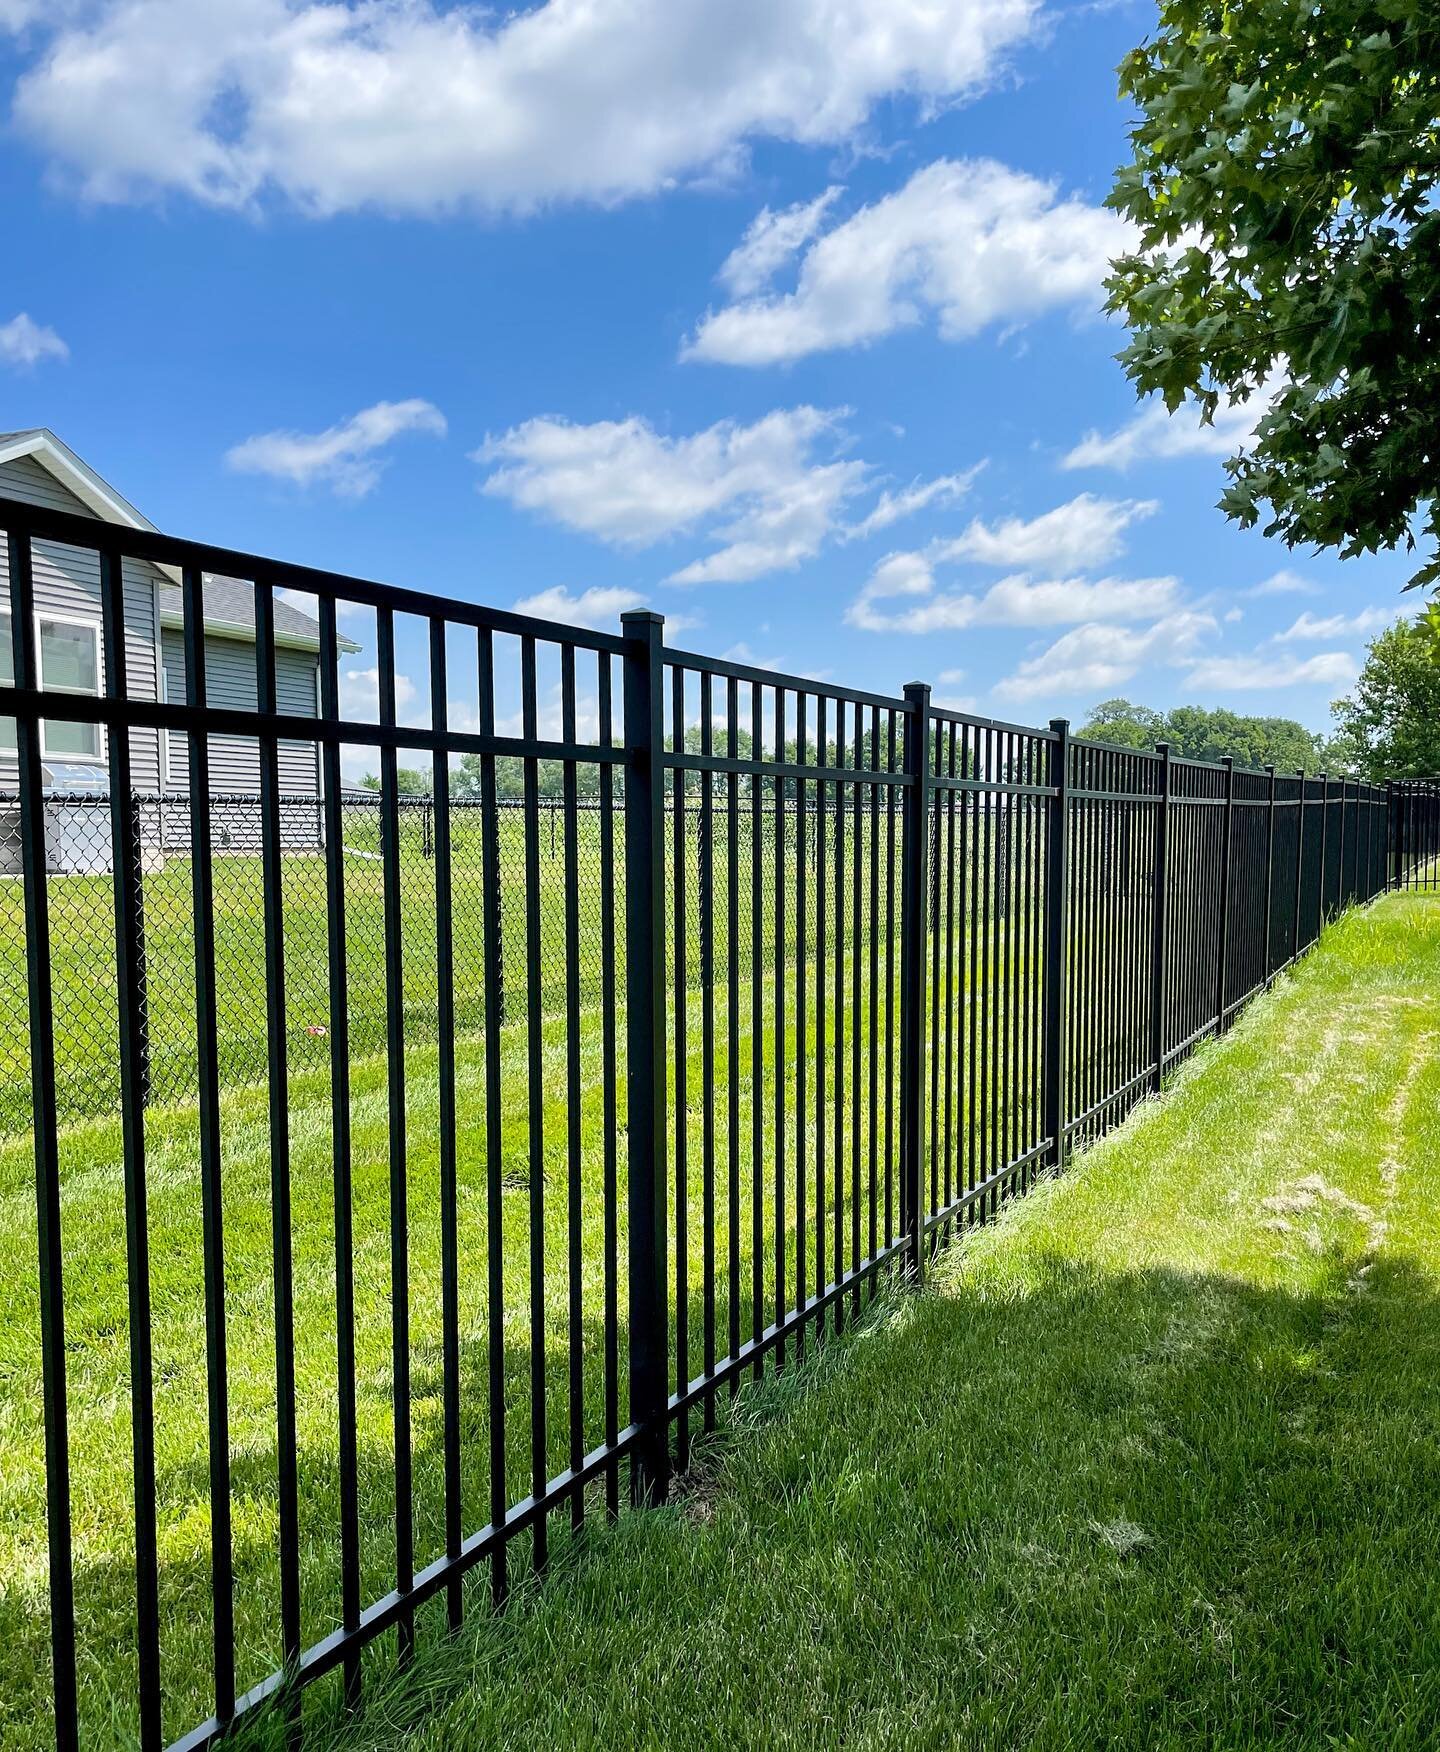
40	469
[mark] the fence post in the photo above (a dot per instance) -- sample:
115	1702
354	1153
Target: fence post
1160	933
1269	868
914	926
1222	972
1325	866
1056	938
1392	834
1299	867
645	1052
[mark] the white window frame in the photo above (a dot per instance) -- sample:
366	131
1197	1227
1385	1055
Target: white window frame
7	639
93	627
166	784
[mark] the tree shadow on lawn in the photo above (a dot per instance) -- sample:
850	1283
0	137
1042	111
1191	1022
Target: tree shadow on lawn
1136	1509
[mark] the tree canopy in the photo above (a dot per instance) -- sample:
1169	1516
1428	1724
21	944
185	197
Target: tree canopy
1284	187
1389	726
1198	734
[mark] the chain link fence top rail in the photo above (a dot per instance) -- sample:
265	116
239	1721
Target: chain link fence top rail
457	1155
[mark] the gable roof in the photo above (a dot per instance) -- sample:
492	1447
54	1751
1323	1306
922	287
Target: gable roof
229	602
58	459
230	614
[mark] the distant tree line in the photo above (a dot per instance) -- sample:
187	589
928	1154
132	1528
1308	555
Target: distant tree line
1388	727
1200	734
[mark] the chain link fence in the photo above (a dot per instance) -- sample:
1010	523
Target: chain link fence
82	937
82	929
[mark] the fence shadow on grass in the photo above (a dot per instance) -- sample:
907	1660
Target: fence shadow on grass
1108	1507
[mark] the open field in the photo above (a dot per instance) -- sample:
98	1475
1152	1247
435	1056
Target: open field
83	946
1155	1462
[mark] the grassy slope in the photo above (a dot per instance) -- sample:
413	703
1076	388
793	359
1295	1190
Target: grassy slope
1157	1463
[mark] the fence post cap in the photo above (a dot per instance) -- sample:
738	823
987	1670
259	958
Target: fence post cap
1060	726
1269	766
640	617
916	687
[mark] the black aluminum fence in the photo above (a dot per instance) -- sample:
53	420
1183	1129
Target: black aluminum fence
569	1115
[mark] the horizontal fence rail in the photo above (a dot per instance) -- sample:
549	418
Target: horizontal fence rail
404	1179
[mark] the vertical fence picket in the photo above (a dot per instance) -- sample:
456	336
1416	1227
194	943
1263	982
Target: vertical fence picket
207	1053
914	860
645	1051
1160	941
40	1000
392	898
1299	864
347	1435
1227	855
125	845
1057	939
439	840
278	1090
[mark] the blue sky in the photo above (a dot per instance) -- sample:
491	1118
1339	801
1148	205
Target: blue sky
781	318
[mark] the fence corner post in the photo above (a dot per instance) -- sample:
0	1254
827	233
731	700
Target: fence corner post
1222	971
914	923
1159	944
1057	932
649	1313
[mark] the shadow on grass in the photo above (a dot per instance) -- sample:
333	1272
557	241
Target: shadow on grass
1132	1509
1086	1509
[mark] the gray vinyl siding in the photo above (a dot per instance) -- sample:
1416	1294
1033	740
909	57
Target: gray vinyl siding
230	682
67	582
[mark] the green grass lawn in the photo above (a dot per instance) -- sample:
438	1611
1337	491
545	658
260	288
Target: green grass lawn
1155	1461
95	1272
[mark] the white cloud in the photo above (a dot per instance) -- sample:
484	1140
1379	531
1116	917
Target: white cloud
1095	658
1013	602
891	507
969	243
342	457
599	607
360	695
25	342
771	240
1223	674
19	15
1338	626
1075	536
1284	583
740	652
414	106
1154	433
953	702
758	490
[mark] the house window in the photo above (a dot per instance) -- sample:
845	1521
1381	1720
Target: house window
69	654
7	679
